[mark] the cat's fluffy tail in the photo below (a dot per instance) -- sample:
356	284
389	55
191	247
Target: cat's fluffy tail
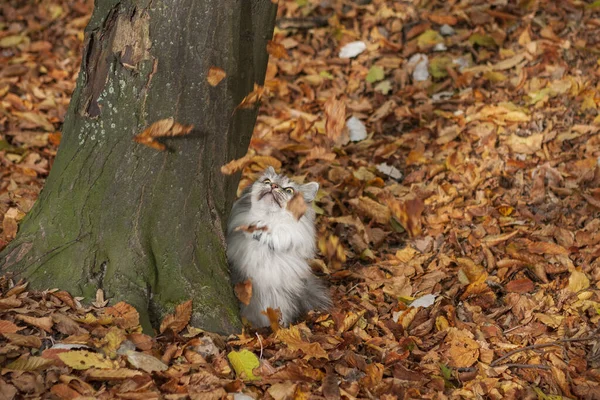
316	296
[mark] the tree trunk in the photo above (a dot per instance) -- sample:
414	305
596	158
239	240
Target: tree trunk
143	225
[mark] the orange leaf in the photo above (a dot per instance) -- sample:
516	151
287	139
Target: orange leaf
178	321
162	128
274	316
8	327
126	316
243	291
235	165
297	206
215	75
253	97
335	112
546	248
277	50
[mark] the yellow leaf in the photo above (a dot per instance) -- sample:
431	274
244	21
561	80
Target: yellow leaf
82	359
243	362
578	281
292	338
30	364
118	374
36	119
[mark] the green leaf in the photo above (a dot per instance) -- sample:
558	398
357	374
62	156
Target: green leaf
243	362
428	39
595	4
482	40
437	66
326	75
375	74
447	375
11	41
494	76
383	87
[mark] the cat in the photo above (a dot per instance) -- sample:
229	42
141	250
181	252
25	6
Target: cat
269	245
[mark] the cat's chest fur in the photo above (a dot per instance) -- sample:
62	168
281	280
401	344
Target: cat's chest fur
270	247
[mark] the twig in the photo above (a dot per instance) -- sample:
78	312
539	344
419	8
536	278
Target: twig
513	365
261	345
541	345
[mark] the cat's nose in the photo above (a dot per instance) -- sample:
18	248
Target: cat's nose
274	186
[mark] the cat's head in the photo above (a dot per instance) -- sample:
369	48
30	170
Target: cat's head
272	192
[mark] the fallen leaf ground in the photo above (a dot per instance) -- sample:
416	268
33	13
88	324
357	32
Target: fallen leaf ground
468	178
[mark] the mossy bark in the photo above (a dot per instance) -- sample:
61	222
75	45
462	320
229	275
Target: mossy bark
147	226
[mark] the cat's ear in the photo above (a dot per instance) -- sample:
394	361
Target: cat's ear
309	191
270	171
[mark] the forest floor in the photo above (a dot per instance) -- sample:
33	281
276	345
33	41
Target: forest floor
457	147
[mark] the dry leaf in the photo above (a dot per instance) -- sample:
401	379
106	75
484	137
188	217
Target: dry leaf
243	291
215	76
335	113
277	50
178	321
297	206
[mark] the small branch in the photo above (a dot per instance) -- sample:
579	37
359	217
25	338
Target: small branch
540	346
513	365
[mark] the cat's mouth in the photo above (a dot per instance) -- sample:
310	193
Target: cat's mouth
273	195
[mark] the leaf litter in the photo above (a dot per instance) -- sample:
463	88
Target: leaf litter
459	236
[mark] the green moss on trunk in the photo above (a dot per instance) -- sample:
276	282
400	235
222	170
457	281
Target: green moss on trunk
147	226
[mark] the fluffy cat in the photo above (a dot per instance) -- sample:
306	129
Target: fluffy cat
274	252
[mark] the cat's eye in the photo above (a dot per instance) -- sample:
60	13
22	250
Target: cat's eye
289	190
267	181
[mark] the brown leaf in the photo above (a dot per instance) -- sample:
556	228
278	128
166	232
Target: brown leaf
23	340
253	97
162	128
243	291
63	391
297	206
178	321
66	298
524	285
250	228
274	316
215	75
546	248
335	113
277	50
408	213
292	338
235	165
8	327
118	374
126	316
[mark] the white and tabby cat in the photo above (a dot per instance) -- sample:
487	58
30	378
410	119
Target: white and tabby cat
275	256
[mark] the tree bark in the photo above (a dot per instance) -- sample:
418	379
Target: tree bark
148	226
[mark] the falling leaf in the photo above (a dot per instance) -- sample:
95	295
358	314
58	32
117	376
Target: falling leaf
297	206
252	98
335	113
243	363
243	291
162	128
178	321
235	165
215	76
250	228
274	316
